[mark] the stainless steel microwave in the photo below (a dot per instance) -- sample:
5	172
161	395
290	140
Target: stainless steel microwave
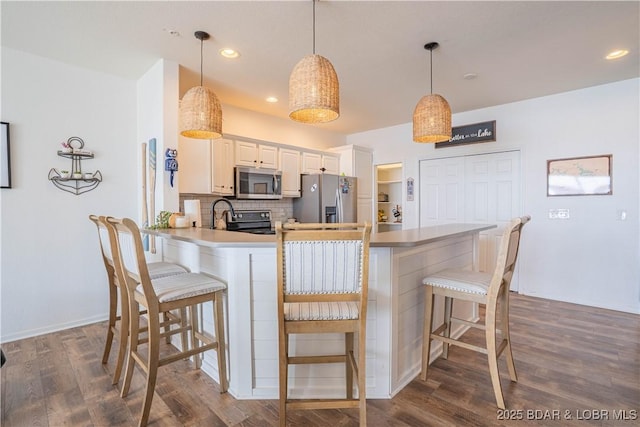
258	184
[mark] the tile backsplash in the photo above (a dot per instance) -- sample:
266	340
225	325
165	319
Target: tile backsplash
281	210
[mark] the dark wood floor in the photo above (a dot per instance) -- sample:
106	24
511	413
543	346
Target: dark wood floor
572	361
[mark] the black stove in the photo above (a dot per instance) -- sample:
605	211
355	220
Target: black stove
249	221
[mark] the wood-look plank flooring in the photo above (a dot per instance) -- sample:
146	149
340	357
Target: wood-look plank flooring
579	361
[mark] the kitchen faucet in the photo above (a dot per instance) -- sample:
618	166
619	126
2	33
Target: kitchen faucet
213	211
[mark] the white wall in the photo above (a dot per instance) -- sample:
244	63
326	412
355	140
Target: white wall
250	124
52	275
592	258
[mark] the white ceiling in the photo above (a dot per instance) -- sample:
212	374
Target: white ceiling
518	50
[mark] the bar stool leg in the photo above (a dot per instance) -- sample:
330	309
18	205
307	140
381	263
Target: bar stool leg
218	318
124	340
504	301
195	342
426	332
152	367
492	356
113	308
348	349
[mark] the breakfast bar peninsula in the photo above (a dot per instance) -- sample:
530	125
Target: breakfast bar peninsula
398	262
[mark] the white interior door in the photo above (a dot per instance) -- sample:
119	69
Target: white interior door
441	191
492	193
481	188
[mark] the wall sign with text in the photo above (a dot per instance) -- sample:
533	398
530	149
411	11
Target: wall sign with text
470	134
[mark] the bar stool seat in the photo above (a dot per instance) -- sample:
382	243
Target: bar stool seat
172	288
161	269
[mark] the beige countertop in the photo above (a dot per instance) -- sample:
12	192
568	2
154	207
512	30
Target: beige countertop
401	238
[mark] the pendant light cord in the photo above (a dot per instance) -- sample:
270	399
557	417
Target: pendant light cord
314	26
431	68
201	45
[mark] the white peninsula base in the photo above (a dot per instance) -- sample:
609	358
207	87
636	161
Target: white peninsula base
398	262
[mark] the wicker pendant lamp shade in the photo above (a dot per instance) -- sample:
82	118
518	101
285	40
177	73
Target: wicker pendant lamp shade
432	115
201	114
200	109
432	119
314	90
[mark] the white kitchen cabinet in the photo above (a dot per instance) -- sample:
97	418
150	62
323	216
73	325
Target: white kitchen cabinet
256	155
194	165
357	161
206	166
331	164
290	167
320	163
222	176
311	162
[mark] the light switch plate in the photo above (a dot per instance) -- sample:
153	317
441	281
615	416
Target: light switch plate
559	214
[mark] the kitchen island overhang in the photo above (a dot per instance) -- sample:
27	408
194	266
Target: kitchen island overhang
401	238
398	262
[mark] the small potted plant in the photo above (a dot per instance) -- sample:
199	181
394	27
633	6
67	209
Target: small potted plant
64	174
77	175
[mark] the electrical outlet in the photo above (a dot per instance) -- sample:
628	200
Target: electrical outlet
559	214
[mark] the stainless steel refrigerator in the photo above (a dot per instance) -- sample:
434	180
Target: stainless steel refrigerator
326	198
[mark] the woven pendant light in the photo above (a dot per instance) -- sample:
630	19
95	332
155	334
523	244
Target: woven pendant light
200	109
314	91
432	115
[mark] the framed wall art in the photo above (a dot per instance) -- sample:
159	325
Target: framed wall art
580	176
5	158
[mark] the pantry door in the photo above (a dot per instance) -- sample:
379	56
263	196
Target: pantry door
481	188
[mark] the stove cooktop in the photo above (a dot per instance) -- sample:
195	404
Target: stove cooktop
248	221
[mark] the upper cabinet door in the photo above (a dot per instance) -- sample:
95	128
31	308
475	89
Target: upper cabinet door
255	155
311	163
222	174
290	166
267	157
246	154
331	164
320	163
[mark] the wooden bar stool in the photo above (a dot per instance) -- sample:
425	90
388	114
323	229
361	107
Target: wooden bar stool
156	271
492	290
323	272
181	292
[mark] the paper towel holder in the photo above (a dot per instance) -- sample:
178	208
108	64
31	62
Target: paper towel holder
192	210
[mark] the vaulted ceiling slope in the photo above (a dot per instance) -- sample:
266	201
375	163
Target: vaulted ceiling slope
517	50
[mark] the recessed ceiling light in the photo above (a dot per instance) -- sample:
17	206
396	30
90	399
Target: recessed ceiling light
227	52
172	32
618	53
271	99
470	76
